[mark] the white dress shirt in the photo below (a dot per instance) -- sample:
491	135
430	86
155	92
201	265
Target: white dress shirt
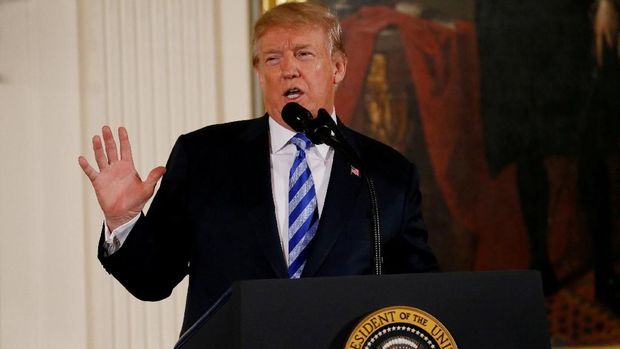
282	154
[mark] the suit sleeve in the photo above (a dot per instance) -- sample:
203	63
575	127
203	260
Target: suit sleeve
154	258
409	251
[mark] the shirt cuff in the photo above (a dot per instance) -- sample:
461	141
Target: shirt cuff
115	239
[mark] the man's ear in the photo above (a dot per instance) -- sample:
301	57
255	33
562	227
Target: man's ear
259	76
339	62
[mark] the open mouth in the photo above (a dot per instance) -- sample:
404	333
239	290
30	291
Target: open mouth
292	93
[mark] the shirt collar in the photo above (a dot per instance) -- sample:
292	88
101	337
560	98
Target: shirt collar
280	135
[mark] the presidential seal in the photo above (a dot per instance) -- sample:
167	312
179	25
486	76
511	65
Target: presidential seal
400	327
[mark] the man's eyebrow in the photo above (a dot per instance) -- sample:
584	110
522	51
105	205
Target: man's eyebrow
301	46
279	51
271	50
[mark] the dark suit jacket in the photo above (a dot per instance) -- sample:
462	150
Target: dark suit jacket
214	219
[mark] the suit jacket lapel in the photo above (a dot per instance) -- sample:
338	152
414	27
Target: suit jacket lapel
261	209
343	191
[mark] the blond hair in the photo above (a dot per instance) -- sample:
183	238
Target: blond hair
299	14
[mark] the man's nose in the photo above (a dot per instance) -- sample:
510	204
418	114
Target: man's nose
290	68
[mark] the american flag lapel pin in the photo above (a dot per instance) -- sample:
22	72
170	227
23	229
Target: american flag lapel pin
355	171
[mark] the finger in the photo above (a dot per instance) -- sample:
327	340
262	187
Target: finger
110	144
123	139
88	170
100	157
154	176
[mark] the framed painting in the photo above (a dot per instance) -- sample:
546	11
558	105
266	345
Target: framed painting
515	132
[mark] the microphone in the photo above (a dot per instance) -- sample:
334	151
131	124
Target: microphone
300	120
326	130
319	130
297	117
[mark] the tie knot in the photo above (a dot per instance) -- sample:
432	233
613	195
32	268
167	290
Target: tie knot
301	141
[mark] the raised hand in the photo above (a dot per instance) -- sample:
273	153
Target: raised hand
120	191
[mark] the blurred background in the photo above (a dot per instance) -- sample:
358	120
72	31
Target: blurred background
500	104
515	129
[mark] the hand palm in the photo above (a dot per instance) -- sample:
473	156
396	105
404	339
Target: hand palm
120	191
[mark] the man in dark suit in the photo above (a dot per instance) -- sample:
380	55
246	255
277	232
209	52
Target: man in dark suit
222	212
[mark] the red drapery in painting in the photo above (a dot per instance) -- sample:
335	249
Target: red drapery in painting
444	69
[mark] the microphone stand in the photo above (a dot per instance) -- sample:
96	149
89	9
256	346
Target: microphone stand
328	133
375	229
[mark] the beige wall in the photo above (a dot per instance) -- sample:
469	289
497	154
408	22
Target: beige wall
158	67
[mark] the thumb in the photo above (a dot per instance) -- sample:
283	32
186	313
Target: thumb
154	176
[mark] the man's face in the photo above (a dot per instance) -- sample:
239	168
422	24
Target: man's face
295	65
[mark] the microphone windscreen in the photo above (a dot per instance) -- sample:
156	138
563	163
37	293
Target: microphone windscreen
297	117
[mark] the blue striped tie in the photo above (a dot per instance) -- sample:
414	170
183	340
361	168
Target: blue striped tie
303	214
